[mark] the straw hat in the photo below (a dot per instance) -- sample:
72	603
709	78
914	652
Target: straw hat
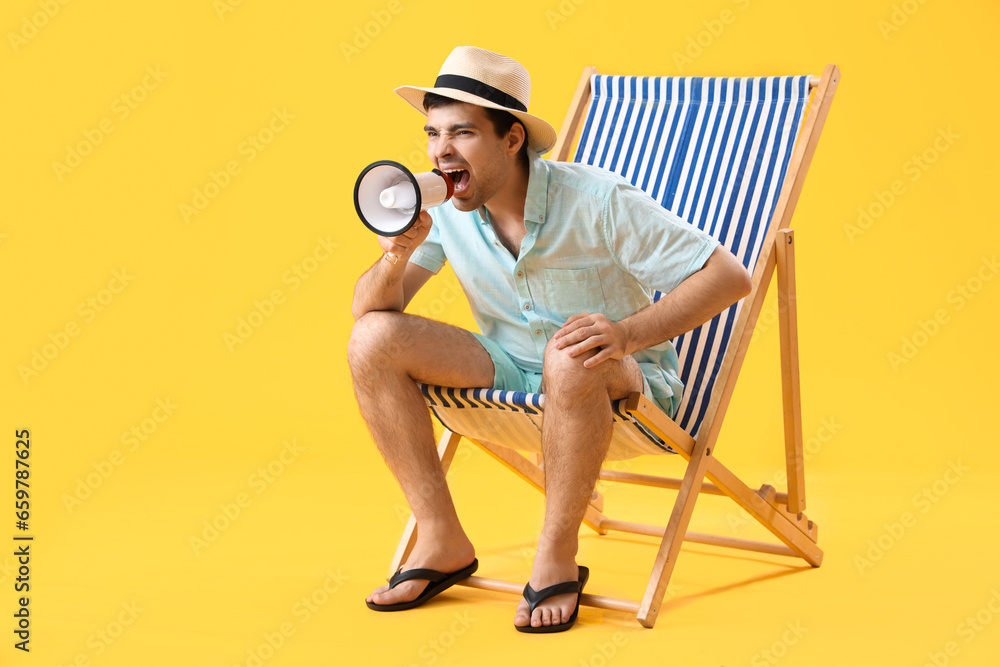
487	79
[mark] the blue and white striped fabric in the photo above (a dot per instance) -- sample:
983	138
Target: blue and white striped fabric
514	419
713	151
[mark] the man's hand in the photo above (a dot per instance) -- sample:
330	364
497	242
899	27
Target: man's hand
408	241
587	331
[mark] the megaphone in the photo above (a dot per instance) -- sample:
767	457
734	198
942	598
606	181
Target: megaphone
389	197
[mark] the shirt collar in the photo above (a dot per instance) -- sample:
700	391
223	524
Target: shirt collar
537	198
538	189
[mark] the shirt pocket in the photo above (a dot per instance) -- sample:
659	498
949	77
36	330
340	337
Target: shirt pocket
573	291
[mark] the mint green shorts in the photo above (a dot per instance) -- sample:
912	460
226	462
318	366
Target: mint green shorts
508	376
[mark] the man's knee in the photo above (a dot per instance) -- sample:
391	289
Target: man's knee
561	372
565	374
375	337
558	362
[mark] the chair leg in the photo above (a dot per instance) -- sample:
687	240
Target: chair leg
794	530
673	538
791	397
446	452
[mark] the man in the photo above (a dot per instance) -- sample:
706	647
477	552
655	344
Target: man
558	262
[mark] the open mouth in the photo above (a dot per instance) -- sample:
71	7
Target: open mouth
460	177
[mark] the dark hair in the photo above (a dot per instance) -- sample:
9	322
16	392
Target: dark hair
502	120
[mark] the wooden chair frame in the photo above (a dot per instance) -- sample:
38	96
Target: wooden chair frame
780	513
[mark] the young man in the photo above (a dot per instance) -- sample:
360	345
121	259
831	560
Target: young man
558	262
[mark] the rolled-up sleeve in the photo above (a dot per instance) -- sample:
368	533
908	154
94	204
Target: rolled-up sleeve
653	244
429	254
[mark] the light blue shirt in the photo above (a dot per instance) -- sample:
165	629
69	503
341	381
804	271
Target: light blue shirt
594	243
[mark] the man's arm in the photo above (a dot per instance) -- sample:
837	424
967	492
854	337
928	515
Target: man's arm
388	286
721	282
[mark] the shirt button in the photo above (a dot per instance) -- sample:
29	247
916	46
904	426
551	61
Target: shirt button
538	332
520	274
527	306
541	217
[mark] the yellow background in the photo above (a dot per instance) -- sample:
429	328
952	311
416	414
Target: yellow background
324	527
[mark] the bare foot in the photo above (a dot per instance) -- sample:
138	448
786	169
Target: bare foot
549	570
444	555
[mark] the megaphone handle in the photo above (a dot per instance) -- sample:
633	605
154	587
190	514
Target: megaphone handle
391	257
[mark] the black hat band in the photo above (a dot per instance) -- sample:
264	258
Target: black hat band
479	89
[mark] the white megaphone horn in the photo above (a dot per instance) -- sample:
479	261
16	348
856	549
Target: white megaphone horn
389	197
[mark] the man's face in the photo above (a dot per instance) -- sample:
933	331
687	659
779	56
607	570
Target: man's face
461	137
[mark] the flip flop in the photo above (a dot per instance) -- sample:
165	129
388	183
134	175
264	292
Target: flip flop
535	598
437	582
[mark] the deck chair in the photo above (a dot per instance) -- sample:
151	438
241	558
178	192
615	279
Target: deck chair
729	155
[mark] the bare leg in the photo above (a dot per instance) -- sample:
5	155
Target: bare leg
576	434
388	352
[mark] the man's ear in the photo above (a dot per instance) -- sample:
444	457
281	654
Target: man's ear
515	137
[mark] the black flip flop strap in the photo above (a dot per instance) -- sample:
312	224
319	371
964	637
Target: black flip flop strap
535	598
417	573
